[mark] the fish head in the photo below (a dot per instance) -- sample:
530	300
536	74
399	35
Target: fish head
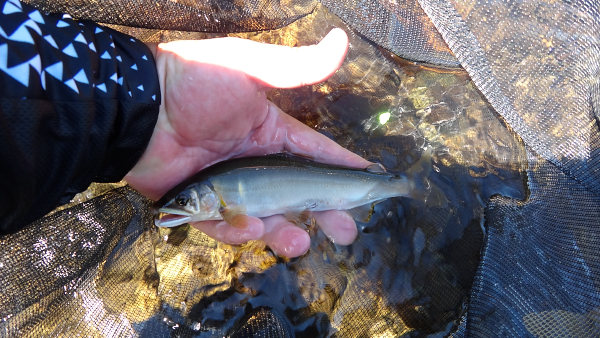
195	203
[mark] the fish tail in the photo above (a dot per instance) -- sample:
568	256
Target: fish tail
421	186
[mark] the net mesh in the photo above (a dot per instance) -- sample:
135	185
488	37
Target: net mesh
186	15
507	95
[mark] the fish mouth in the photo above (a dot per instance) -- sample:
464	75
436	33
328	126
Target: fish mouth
171	218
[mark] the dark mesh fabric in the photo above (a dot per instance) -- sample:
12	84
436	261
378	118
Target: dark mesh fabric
50	275
514	253
399	26
262	323
201	16
546	284
536	63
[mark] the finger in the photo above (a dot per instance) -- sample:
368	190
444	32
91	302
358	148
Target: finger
301	139
288	67
223	232
270	65
337	225
285	238
279	131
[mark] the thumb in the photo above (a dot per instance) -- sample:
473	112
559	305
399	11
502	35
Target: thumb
271	66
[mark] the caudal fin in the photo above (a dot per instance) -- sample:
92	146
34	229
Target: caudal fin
423	189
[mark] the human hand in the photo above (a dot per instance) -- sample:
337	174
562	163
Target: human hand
214	108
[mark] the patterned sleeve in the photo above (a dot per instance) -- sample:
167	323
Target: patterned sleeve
78	103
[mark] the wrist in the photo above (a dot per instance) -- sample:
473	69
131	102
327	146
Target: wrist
153	46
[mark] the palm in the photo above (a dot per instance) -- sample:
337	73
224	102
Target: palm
202	122
214	107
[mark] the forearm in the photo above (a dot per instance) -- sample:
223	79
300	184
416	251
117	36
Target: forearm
78	103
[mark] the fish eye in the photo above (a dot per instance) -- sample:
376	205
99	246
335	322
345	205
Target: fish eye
182	200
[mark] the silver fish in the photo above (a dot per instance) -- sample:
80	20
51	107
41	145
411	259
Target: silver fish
285	184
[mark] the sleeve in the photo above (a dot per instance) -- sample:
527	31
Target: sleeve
78	103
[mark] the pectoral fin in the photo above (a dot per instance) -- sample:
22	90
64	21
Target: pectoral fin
361	213
235	216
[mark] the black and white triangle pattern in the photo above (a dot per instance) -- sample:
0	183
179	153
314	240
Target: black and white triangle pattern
56	58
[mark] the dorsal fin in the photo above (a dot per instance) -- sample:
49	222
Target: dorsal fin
376	168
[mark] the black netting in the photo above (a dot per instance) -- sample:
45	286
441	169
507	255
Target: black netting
200	16
536	63
54	268
262	323
400	26
514	135
540	266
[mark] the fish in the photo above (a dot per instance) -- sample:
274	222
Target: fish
286	184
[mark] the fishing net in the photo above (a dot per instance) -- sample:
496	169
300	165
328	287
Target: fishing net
506	93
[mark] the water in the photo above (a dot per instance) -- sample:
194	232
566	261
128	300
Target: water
411	268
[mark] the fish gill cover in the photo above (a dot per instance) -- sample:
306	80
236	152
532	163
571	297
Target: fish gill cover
505	93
